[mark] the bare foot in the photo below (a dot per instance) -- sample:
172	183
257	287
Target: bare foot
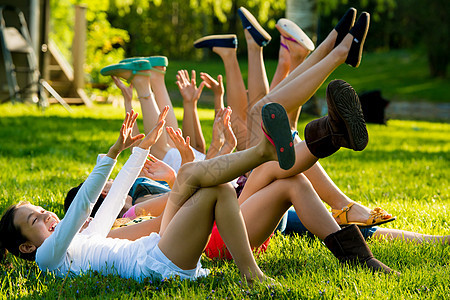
264	280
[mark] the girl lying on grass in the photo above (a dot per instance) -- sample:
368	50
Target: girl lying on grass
33	233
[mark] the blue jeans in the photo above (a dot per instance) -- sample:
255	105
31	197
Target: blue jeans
144	186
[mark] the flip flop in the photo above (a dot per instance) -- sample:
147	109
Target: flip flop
278	132
136	67
218	40
250	23
293	32
376	217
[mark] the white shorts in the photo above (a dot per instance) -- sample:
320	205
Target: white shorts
157	262
173	158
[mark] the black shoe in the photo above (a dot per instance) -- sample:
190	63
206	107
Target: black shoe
346	118
344	25
223	40
359	33
250	23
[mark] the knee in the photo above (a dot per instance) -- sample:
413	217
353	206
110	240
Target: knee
300	183
225	189
187	174
255	110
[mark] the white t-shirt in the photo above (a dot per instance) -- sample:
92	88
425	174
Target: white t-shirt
67	250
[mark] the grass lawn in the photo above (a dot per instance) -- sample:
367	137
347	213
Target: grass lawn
404	169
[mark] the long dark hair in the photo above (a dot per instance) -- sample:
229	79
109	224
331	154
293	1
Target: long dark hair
11	237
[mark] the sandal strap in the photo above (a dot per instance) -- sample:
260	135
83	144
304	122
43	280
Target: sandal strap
342	213
134	73
290	39
159	71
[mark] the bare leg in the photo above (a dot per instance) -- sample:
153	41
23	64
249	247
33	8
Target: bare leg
263	210
258	85
333	196
283	66
212	172
290	95
236	94
297	55
192	226
395	234
162	96
316	56
150	113
268	172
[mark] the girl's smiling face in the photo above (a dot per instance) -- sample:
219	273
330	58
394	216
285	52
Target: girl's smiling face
35	223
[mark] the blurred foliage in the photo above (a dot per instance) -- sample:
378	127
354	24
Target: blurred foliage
124	28
399	24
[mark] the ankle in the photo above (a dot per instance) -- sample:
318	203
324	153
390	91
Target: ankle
224	52
158	71
140	81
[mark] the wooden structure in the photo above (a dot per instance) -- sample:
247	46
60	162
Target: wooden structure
58	74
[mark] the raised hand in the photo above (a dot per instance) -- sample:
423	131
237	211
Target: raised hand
125	139
230	139
158	170
215	85
127	91
156	132
188	86
183	146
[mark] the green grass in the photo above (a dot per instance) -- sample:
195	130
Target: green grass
404	169
401	75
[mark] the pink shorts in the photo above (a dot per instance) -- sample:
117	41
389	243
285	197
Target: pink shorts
216	248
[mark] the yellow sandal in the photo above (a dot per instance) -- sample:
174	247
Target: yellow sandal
376	217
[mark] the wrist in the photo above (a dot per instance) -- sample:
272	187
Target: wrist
113	152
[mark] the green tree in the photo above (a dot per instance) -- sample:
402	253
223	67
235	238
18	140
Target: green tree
419	24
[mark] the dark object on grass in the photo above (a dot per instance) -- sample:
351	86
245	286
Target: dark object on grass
373	106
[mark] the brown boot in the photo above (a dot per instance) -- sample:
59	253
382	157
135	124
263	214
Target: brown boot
349	246
343	127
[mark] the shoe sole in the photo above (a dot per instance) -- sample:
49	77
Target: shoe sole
276	125
361	225
292	30
252	20
346	103
216	37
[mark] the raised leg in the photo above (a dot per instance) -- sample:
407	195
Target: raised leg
236	94
300	88
163	99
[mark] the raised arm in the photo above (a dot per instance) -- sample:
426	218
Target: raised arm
191	123
115	199
51	253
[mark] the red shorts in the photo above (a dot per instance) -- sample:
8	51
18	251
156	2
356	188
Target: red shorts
216	247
